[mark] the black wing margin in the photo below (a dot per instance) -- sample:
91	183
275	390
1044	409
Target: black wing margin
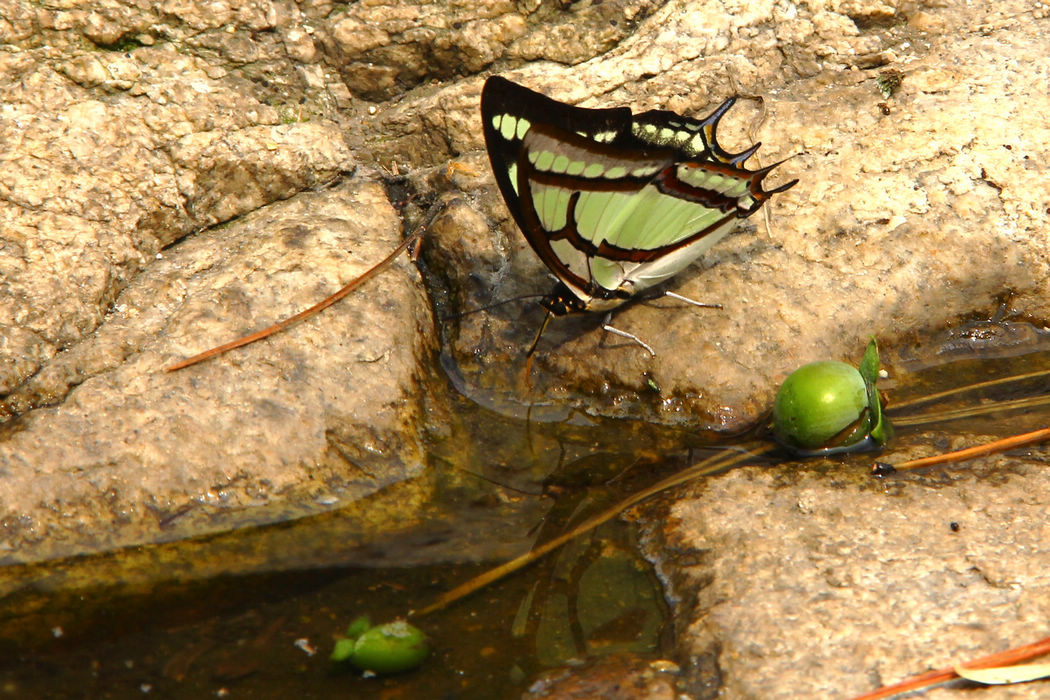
500	99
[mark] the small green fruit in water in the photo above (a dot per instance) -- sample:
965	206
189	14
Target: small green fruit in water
358	627
822	405
344	649
390	648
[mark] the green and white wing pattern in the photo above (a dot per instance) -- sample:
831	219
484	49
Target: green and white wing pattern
611	202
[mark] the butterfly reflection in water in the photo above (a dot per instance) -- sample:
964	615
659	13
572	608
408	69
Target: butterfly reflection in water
613	202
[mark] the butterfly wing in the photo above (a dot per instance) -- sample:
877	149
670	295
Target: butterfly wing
508	112
613	203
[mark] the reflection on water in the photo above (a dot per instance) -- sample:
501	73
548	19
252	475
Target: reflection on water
269	635
254	613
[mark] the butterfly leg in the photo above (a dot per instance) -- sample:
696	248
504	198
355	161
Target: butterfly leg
694	302
536	340
624	334
532	349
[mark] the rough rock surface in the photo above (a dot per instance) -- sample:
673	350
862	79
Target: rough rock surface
175	174
825	582
383	48
108	158
125	127
902	202
310	419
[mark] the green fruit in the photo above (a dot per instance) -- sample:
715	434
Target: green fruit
822	405
344	649
358	627
390	648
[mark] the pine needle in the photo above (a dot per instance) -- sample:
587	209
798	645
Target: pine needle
970	411
316	308
708	466
1002	445
1002	658
898	405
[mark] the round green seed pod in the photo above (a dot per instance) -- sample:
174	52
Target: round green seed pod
822	405
344	649
390	648
359	626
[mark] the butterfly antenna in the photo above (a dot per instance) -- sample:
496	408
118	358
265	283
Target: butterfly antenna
468	312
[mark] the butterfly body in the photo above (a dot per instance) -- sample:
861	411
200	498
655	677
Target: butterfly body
613	203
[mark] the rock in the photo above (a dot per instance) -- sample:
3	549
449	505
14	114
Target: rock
175	175
620	676
382	49
833	583
900	204
95	188
312	419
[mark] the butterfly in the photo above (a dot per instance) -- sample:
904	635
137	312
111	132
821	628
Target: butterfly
613	202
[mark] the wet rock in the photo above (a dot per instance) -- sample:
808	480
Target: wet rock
832	582
616	676
975	340
127	127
